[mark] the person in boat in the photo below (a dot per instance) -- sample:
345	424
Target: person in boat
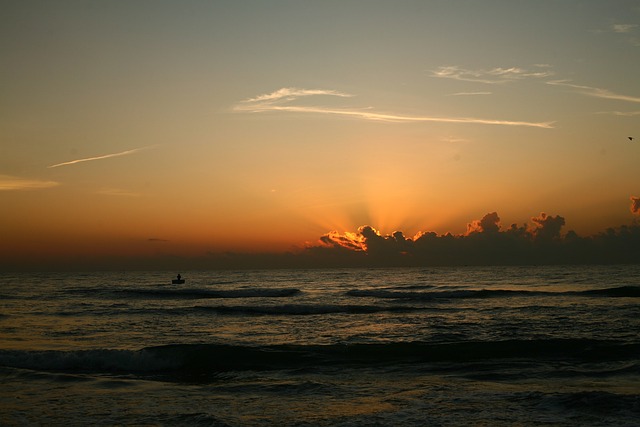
179	276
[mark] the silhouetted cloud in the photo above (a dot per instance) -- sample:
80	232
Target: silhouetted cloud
281	101
485	243
635	205
353	241
490	223
547	227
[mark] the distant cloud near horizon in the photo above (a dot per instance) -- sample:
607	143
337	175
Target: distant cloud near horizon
484	243
282	101
489	224
543	228
635	205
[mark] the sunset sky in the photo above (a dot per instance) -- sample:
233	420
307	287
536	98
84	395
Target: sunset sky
138	128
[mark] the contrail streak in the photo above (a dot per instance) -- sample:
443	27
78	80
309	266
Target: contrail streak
595	92
280	100
392	117
106	156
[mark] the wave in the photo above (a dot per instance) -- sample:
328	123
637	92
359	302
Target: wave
416	293
621	291
76	361
210	293
184	361
458	294
592	403
304	309
244	310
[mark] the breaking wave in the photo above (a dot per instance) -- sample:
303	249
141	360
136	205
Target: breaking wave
621	291
179	361
210	293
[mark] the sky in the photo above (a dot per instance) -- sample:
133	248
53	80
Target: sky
168	130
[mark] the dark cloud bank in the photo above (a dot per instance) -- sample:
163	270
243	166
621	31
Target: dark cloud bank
486	242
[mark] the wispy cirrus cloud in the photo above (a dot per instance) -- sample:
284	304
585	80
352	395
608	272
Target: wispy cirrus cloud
621	113
292	93
496	75
623	28
118	192
470	93
453	139
629	32
14	183
283	101
594	91
105	156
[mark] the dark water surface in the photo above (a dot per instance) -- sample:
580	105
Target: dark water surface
349	347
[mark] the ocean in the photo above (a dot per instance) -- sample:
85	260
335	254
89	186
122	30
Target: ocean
464	346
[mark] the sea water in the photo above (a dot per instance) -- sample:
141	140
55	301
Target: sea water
347	347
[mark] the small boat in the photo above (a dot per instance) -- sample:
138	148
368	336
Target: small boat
178	281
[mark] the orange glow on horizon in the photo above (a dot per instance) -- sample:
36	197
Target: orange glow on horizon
277	149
